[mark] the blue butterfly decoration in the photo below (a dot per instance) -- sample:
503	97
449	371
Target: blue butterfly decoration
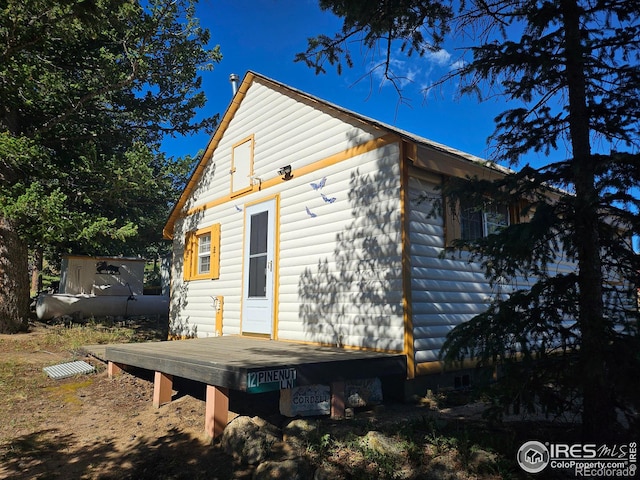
310	213
238	208
327	199
320	184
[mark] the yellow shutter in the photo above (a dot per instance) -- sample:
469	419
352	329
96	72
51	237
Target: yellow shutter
187	268
214	270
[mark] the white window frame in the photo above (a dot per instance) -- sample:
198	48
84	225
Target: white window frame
204	254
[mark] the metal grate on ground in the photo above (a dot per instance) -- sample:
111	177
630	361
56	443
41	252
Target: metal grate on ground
70	369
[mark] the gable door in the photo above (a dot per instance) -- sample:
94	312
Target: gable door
257	297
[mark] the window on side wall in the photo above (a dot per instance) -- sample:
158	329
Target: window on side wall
202	253
472	222
480	222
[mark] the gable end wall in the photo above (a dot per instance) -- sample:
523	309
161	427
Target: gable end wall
339	258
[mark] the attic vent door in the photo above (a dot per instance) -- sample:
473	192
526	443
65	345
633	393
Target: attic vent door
257	301
242	166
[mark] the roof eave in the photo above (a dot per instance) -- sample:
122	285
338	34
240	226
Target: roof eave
168	230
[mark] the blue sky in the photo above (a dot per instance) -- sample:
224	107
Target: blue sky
265	35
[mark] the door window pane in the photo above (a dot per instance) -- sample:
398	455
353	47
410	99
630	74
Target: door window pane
258	255
258	242
258	276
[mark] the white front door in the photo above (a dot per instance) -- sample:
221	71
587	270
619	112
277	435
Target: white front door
257	295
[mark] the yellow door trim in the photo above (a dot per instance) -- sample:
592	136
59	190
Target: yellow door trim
276	264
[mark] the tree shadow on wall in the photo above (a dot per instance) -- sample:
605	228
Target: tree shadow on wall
180	325
354	297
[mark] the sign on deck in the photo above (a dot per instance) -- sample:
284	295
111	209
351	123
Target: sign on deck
271	380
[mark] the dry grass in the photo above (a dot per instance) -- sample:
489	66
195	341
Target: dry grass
24	357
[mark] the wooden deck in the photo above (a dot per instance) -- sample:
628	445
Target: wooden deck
250	365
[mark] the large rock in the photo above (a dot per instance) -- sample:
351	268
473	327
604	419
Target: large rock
249	439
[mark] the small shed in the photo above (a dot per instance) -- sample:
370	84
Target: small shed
100	287
101	275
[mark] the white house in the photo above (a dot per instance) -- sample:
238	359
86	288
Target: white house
309	223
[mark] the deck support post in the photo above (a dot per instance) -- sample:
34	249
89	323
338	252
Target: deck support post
162	389
114	369
337	399
216	411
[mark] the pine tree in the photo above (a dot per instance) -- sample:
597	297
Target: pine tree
88	90
569	341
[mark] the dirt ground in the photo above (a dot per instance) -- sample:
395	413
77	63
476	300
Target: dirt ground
95	427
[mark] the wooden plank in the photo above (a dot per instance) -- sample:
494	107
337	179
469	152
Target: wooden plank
97	351
337	400
216	411
113	369
241	345
221	375
226	361
162	389
242	352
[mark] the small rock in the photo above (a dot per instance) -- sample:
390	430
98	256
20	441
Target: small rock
323	474
442	468
381	444
482	461
360	393
300	433
292	469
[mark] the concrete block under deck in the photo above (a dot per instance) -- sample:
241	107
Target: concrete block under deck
250	365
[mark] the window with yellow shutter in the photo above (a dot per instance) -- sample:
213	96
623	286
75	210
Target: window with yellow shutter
202	254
